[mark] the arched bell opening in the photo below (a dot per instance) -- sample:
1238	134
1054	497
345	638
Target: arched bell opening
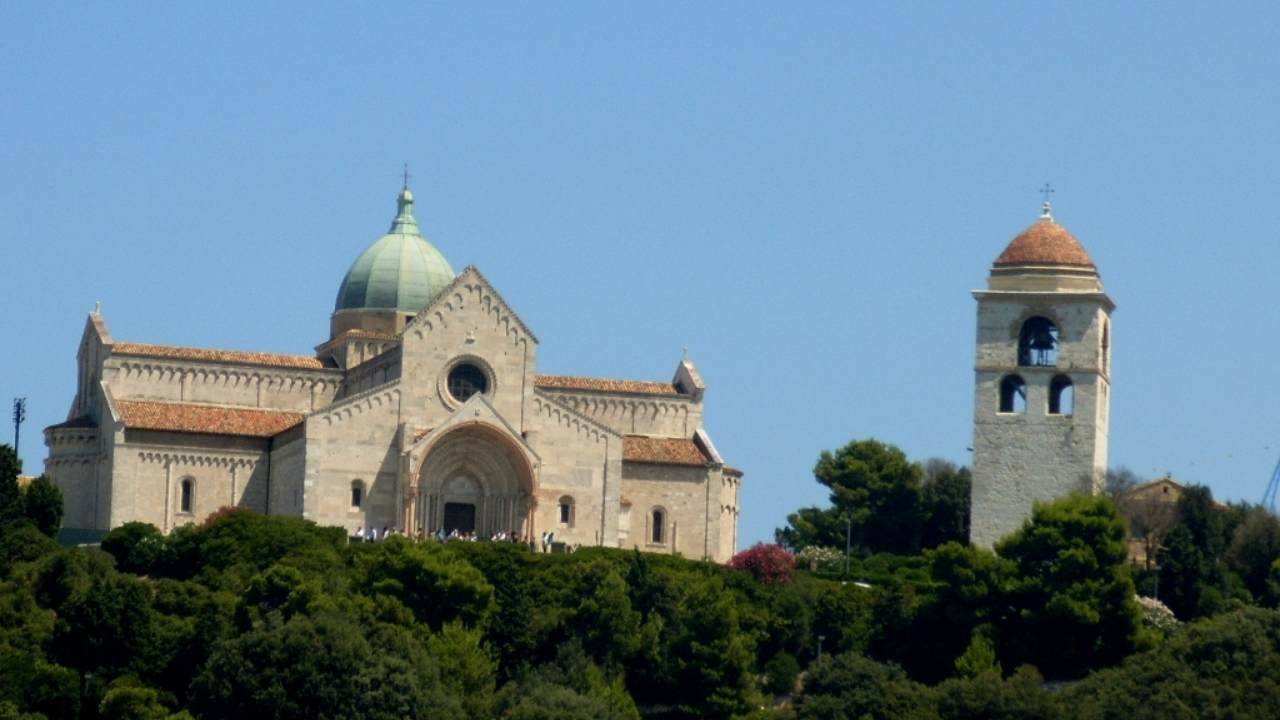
474	480
1038	343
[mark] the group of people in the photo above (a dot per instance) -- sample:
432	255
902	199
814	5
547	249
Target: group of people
373	534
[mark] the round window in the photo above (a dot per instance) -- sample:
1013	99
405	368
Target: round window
466	380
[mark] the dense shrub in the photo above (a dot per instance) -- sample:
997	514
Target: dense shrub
769	564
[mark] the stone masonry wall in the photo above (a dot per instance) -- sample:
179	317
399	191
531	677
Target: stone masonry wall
685	494
1021	458
582	461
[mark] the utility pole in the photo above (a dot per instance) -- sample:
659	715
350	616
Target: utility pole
848	535
19	416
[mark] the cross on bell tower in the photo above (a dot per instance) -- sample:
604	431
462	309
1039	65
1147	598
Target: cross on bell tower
1047	207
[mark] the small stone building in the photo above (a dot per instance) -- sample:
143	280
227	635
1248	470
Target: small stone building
1042	376
423	411
1150	510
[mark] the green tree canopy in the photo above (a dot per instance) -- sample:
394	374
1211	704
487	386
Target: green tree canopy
10	494
1073	593
875	489
43	505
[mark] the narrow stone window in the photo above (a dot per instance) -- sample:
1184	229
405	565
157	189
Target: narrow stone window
1061	396
357	495
566	511
1038	343
658	533
1013	394
1106	346
187	501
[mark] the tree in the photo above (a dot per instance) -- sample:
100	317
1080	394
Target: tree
987	696
851	687
1201	516
10	493
1182	573
322	667
106	626
1073	593
466	669
944	500
136	546
1119	481
1150	520
875	489
1255	546
1223	667
43	505
436	585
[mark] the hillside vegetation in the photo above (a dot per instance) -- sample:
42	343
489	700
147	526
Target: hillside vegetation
270	617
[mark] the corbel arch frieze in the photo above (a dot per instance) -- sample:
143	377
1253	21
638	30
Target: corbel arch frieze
71	460
372	399
560	413
195	459
161	372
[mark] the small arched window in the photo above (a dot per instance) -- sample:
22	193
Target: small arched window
187	500
1061	396
566	511
357	495
657	531
1013	394
1038	343
1106	346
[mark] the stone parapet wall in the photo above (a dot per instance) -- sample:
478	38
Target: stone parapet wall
266	387
654	415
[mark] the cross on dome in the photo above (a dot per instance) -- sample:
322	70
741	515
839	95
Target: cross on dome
1046	210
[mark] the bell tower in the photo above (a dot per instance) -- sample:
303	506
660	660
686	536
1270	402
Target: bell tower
1042	378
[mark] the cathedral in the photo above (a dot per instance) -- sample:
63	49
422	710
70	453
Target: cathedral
423	412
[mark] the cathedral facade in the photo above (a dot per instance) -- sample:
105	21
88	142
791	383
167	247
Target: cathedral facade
423	412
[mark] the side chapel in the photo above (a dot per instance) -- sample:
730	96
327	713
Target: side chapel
423	411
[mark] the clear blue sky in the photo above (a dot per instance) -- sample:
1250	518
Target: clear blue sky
803	194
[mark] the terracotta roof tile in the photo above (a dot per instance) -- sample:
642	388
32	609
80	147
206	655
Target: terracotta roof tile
235	356
663	451
572	382
208	419
1045	243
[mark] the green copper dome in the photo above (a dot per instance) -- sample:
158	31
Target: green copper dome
400	270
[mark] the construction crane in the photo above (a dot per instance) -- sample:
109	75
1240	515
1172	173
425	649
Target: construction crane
1269	497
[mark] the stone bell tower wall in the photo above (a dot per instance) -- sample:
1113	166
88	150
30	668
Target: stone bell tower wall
1036	455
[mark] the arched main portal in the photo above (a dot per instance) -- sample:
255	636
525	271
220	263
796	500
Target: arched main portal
475	479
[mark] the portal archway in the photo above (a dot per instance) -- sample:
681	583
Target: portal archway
475	478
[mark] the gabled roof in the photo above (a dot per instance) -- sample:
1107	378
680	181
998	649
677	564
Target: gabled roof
472	271
573	382
204	419
663	451
232	356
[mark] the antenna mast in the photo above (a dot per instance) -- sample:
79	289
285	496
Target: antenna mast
19	416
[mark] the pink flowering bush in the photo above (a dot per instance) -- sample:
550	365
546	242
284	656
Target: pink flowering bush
769	564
